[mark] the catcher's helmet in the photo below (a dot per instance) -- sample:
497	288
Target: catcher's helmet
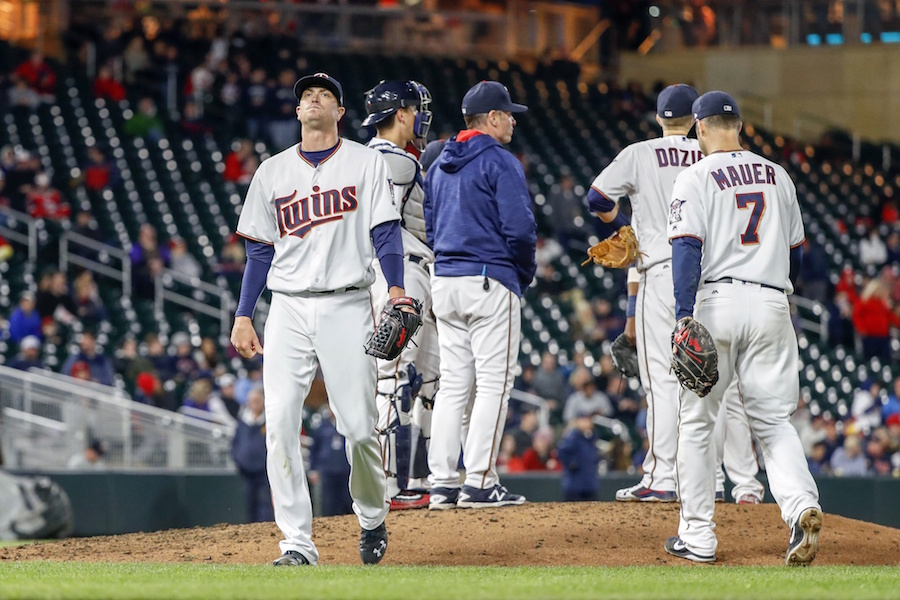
388	97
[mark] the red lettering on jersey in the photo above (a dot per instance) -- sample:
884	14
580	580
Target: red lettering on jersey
294	214
349	195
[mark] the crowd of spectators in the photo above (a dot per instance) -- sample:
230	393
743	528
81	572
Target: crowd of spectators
585	400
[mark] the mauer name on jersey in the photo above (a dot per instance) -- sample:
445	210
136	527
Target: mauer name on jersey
732	176
297	216
676	157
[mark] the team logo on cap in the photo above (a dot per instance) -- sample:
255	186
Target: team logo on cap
727	108
322	75
667	113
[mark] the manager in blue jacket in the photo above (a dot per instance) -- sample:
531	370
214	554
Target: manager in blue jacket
479	222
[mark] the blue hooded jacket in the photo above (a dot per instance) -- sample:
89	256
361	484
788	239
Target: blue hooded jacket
478	215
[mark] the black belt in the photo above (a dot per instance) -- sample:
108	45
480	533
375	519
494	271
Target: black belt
419	260
730	280
352	288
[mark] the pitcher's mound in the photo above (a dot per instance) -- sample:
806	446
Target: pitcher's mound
588	533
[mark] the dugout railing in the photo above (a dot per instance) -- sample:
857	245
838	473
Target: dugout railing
46	419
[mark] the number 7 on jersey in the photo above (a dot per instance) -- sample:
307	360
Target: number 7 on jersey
758	200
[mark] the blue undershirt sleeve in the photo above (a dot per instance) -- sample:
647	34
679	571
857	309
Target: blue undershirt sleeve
599	203
686	255
796	263
259	259
389	249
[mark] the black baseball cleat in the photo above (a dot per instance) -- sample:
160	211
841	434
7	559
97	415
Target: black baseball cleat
804	539
676	547
291	558
373	544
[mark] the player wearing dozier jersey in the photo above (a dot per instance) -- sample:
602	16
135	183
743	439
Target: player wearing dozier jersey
314	218
737	235
479	222
406	385
645	172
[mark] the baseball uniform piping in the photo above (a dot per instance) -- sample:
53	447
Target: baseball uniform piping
643	286
336	148
505	385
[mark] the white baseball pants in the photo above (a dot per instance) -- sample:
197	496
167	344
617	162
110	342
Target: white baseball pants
755	340
734	447
654	322
301	334
478	334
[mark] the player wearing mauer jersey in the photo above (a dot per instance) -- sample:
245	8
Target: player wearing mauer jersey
314	218
737	235
645	172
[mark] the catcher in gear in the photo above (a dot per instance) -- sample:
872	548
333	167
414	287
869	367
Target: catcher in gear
694	357
407	384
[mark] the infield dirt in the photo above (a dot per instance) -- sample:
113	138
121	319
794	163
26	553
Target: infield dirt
578	534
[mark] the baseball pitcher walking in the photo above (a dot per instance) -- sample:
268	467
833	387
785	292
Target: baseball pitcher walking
314	218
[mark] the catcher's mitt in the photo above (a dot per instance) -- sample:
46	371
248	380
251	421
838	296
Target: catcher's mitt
624	356
694	357
617	251
395	329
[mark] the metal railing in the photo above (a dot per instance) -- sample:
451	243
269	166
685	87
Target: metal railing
195	294
46	419
537	402
813	316
29	239
72	250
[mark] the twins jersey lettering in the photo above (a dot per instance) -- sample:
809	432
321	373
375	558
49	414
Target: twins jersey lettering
646	171
744	209
290	202
406	173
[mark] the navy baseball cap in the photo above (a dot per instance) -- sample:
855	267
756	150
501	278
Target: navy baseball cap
320	80
675	101
485	96
714	103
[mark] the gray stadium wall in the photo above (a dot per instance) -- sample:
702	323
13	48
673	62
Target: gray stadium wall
114	503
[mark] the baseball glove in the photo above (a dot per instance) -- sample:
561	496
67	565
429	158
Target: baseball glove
624	356
617	251
694	357
395	328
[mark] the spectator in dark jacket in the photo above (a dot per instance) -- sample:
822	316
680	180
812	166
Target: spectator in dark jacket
29	355
101	370
329	469
25	320
580	459
248	449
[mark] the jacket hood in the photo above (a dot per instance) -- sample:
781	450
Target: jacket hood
462	149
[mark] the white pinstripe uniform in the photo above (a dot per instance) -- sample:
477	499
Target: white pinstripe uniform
319	219
645	172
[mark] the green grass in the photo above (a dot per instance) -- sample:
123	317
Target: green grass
104	580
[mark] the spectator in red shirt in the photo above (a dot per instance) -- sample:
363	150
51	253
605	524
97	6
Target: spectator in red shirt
238	163
541	456
99	173
45	201
873	317
106	86
39	75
